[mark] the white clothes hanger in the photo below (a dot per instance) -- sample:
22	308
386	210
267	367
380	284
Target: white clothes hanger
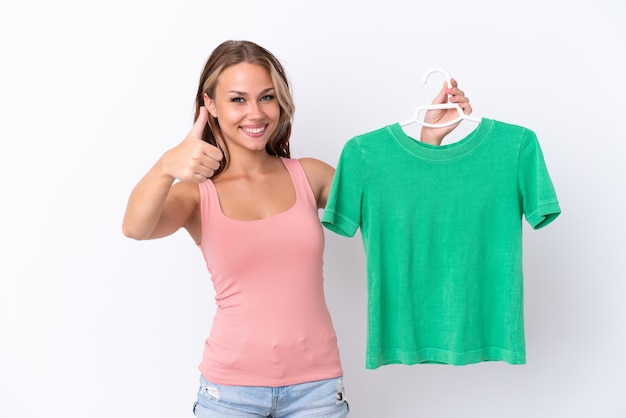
419	109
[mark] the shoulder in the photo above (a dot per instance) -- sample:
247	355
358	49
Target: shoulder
314	165
320	176
317	170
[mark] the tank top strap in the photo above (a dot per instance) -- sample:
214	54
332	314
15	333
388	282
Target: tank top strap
300	181
209	200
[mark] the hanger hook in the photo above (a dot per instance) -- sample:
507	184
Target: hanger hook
437	70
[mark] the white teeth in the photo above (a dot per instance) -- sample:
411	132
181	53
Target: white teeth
255	130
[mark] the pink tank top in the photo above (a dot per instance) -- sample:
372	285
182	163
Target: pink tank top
272	326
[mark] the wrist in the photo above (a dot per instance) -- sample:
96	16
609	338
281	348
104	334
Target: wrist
428	137
162	169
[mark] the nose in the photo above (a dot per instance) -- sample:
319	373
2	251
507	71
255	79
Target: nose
256	111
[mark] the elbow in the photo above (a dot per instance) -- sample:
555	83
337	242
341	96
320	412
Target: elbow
129	232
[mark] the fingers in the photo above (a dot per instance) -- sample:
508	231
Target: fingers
467	108
198	167
211	157
193	160
442	96
457	96
212	152
203	172
200	124
206	160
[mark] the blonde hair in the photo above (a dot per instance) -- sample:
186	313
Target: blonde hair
234	52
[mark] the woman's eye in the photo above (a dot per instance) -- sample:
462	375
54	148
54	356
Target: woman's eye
267	98
237	100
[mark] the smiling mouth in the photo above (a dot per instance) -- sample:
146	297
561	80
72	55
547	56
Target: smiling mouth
254	131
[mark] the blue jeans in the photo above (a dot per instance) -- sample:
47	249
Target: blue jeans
320	399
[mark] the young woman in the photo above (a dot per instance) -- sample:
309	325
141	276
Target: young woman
253	212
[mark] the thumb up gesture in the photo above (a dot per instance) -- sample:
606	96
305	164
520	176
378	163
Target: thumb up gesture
194	160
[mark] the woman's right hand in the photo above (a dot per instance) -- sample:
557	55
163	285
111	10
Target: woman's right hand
193	160
157	207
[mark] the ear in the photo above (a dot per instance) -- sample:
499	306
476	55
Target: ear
210	105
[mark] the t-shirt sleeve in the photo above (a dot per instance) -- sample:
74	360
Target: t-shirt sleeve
539	200
343	207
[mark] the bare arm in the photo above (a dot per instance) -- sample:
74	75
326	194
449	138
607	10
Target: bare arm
320	177
157	207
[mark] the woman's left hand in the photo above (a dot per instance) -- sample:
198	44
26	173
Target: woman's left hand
447	94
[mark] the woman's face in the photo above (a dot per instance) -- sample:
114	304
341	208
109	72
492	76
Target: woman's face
246	106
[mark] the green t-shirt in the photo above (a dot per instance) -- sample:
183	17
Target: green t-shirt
442	234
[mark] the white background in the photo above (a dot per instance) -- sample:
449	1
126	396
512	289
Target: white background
93	324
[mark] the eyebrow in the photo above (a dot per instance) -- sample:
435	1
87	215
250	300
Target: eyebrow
242	93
